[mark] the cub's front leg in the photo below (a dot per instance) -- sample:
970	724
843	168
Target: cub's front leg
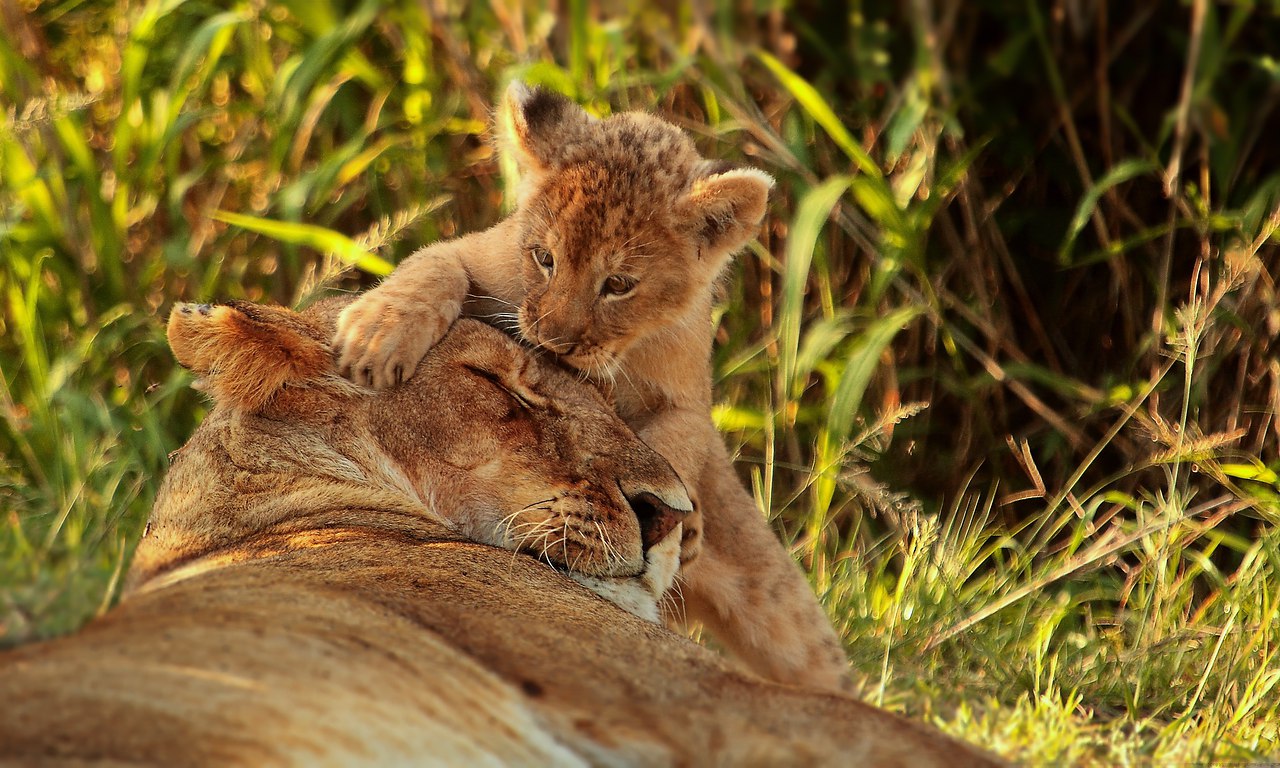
741	582
382	335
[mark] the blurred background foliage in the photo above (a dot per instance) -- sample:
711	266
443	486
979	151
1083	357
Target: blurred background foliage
1002	365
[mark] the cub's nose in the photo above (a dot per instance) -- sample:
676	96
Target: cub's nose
657	517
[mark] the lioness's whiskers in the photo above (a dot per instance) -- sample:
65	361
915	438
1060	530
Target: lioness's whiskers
540	318
610	554
674	597
542	535
560	542
636	254
550	342
505	523
543	546
532	525
631	247
534	528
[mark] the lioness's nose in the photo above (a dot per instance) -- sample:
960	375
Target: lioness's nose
657	517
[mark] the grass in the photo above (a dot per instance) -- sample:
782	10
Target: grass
1002	362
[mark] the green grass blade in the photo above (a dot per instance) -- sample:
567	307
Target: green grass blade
859	366
811	216
822	113
820	338
311	236
1119	174
876	199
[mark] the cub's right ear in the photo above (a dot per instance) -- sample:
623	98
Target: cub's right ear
540	125
725	209
245	353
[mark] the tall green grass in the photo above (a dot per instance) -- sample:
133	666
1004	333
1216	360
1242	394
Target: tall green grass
1001	365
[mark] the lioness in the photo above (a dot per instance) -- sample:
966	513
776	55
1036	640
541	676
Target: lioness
306	594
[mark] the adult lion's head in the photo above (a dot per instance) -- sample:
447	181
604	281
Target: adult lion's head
486	443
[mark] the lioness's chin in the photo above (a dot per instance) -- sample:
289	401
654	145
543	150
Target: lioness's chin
641	595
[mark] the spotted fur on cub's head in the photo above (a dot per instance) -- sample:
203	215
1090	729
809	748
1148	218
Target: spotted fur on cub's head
623	224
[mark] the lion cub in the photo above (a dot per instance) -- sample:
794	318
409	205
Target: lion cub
609	261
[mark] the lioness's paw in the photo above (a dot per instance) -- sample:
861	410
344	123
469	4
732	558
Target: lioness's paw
379	341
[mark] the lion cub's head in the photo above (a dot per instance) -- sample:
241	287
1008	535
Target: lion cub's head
485	443
624	225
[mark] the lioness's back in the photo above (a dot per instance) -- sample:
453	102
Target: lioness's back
367	647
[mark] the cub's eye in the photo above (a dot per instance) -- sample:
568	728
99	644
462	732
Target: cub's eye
618	285
542	257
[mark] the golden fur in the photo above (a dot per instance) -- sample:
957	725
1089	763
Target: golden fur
609	261
305	597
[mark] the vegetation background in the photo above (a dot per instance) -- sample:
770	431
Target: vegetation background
1002	366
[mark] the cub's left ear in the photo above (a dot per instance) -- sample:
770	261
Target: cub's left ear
540	125
725	209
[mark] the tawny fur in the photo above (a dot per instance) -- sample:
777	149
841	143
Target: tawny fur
622	203
259	362
305	597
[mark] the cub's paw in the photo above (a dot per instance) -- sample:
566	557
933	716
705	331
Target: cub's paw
381	338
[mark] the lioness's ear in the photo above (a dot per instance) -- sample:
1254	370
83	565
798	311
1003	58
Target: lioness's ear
725	209
244	353
541	125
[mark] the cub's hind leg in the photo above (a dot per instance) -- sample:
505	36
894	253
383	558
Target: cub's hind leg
749	593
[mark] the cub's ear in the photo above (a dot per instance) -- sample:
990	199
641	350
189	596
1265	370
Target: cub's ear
541	125
245	353
725	209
